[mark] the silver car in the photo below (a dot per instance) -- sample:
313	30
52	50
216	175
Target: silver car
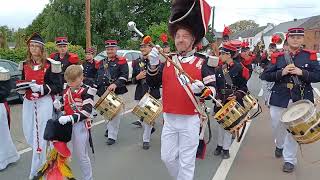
130	55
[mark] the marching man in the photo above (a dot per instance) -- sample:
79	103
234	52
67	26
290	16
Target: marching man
305	68
112	75
180	134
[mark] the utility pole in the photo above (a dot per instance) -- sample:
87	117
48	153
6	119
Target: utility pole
213	15
88	25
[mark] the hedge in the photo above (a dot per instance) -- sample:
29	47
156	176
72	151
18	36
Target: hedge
20	54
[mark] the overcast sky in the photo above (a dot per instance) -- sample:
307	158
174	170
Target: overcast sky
20	13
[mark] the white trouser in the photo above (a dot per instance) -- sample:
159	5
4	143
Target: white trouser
146	130
33	136
79	140
8	151
282	138
114	125
224	138
179	143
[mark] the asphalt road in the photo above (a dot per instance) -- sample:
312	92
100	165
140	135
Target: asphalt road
126	160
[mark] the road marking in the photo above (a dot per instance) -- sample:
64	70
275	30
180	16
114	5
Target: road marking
25	150
94	124
226	164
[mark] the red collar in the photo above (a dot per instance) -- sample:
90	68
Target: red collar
295	52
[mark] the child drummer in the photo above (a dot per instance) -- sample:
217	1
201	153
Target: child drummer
78	103
231	77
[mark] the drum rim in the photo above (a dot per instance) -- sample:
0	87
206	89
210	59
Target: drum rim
304	116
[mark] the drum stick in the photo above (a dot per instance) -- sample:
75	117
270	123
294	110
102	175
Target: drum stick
216	101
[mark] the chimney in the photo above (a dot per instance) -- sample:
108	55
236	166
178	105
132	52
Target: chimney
295	19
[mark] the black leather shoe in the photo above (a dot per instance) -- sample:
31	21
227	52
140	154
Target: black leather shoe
278	152
110	141
146	145
106	133
218	150
225	154
288	167
137	123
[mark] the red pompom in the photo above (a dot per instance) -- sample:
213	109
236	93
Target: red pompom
147	40
245	44
164	37
73	58
275	39
226	31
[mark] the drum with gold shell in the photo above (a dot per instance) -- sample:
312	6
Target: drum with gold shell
109	105
148	109
302	121
231	116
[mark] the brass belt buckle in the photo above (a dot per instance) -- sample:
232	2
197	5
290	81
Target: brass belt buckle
289	85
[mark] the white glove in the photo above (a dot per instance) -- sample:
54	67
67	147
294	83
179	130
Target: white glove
154	57
197	86
35	87
65	119
57	104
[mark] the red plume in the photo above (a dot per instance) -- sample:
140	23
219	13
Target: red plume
147	40
244	44
164	37
226	31
275	39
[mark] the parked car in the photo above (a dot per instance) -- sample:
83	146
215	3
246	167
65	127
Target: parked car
130	55
15	75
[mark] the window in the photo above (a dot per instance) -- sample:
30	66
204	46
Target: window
128	56
6	65
135	55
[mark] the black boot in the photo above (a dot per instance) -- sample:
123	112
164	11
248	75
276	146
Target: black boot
218	150
110	141
278	152
146	145
288	167
225	154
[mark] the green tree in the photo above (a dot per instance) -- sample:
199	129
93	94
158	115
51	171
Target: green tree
243	25
108	19
155	30
20	38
